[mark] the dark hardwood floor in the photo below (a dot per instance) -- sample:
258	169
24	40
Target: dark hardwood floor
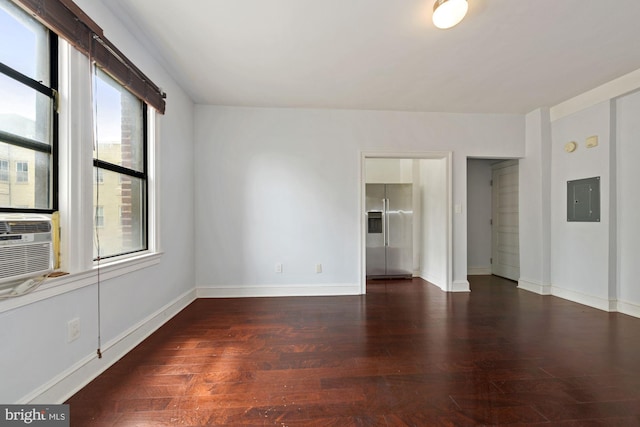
406	354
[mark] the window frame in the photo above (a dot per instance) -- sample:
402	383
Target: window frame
50	149
78	174
102	165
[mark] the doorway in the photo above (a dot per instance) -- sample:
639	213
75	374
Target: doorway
493	219
430	176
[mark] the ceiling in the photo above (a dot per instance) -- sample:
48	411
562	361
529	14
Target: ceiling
507	56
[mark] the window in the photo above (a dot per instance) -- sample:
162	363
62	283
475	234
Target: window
120	162
22	172
28	122
4	170
93	74
99	216
98	177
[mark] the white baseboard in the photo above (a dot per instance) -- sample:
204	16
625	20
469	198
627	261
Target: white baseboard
457	286
67	383
624	307
479	271
460	286
442	284
247	291
534	286
584	299
628	308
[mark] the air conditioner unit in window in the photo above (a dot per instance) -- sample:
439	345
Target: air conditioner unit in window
26	250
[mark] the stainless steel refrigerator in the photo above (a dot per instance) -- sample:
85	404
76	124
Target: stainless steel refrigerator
389	219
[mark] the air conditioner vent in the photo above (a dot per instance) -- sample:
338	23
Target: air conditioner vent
26	259
24	227
26	248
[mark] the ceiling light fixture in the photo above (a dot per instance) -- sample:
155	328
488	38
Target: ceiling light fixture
447	13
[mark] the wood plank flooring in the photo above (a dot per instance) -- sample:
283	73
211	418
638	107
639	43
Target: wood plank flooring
405	354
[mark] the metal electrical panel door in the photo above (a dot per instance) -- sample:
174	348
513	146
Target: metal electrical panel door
583	200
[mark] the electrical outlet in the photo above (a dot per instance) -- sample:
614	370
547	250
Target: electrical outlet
73	329
278	268
318	268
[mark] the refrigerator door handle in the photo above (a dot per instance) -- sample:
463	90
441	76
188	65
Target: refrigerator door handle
387	233
384	222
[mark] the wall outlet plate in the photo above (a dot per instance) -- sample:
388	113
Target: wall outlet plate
73	329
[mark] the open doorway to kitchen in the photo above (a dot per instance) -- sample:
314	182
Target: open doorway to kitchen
427	251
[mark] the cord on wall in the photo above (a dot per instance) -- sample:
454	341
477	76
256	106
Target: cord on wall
96	210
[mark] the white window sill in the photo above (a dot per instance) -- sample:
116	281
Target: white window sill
70	282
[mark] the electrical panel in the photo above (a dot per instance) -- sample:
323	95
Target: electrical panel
583	200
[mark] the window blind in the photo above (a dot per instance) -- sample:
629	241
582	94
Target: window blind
67	20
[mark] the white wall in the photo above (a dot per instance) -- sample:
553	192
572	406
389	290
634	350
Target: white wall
283	186
580	250
37	364
479	216
389	171
628	202
434	219
591	263
535	204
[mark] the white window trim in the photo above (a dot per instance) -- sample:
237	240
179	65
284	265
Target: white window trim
76	181
71	282
153	180
75	192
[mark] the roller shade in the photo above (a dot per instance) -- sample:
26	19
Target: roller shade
68	21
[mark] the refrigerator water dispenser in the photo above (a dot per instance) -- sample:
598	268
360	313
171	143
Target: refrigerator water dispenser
374	222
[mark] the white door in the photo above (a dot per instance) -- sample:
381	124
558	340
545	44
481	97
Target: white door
505	230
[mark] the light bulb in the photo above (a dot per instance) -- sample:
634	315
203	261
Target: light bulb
447	13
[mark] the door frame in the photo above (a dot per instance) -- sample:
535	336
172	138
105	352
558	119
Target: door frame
426	155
